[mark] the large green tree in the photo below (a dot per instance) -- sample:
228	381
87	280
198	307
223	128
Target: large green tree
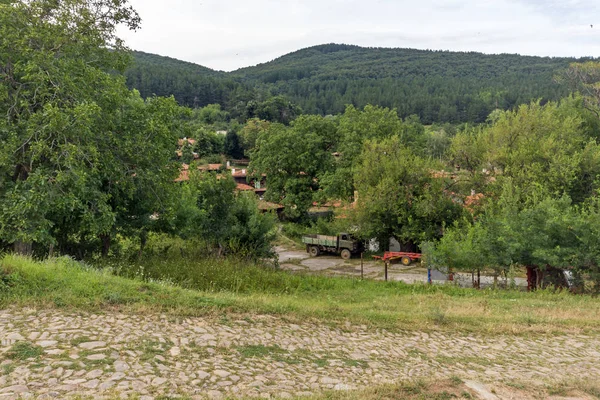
81	153
294	159
549	148
539	233
399	194
354	127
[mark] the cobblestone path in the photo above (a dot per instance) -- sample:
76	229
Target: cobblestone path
55	354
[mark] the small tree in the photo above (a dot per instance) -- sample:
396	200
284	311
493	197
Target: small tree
294	159
232	146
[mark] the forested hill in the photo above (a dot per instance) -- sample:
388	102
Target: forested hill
191	84
439	86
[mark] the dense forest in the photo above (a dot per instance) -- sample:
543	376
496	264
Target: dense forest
438	86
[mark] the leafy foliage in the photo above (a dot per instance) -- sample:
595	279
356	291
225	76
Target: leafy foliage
399	196
86	160
208	209
68	172
294	159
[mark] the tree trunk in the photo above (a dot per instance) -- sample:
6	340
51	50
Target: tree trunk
51	251
143	241
478	279
23	248
531	279
105	244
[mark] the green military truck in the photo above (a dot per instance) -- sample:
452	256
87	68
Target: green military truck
343	244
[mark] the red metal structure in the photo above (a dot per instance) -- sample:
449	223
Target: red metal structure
405	258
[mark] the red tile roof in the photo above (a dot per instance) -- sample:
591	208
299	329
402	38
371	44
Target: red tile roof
185	141
184	175
244	187
210	167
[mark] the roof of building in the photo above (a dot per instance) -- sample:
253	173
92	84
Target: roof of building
184	175
473	201
244	187
265	205
334	204
210	167
185	141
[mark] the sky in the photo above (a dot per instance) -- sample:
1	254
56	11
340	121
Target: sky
230	34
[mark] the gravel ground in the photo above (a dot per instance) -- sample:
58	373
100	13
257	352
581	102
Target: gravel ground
294	260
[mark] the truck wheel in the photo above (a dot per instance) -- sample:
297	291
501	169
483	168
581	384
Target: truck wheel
406	261
314	251
346	254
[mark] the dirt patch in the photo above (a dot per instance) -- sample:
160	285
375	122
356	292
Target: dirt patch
294	260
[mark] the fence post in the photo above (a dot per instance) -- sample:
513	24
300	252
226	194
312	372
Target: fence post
386	271
362	271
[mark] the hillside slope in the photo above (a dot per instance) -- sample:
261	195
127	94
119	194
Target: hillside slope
191	84
439	86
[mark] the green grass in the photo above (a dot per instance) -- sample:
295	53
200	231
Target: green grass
7	369
232	289
23	351
412	390
251	351
80	339
444	389
454	388
297	356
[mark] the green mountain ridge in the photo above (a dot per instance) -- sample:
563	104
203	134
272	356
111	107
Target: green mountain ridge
438	86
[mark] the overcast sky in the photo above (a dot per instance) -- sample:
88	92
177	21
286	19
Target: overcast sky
229	34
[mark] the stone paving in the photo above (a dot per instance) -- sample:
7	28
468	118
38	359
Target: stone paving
257	356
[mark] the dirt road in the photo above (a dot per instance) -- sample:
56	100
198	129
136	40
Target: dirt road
296	260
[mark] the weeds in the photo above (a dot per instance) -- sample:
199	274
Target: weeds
80	339
455	380
259	350
7	369
438	316
274	352
231	289
24	351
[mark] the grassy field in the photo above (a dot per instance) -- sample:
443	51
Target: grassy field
455	388
218	287
444	389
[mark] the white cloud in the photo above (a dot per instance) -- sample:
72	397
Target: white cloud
229	34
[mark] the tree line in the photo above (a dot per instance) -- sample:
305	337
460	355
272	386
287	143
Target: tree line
437	86
520	189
